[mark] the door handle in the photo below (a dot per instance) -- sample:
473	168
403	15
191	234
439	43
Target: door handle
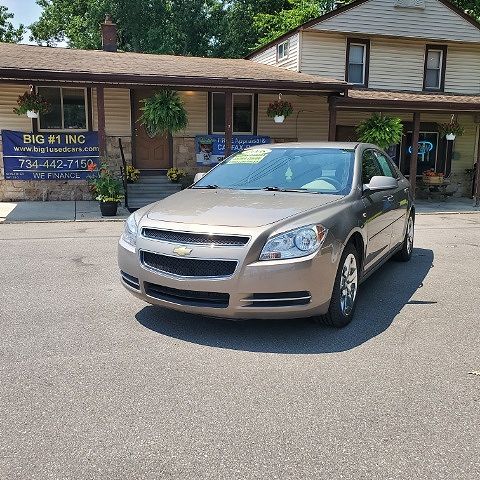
389	198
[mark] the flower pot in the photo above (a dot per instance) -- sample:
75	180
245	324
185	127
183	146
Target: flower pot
432	179
32	114
279	118
450	136
108	209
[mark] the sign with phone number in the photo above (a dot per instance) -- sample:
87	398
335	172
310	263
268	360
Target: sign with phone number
49	156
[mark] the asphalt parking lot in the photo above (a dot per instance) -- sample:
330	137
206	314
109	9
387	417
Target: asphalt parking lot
97	385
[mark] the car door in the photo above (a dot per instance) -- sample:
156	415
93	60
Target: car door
378	218
398	199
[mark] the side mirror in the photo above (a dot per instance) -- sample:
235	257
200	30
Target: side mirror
198	176
379	183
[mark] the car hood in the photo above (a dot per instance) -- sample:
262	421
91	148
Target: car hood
235	208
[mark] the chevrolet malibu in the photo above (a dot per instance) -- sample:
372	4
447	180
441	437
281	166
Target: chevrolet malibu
282	231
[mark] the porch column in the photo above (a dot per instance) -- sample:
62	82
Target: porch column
476	187
228	123
332	120
414	156
102	138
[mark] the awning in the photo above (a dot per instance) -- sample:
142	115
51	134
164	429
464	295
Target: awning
370	99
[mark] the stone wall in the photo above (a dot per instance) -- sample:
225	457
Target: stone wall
14	190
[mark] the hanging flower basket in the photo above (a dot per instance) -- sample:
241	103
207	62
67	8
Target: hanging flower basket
279	110
451	130
31	104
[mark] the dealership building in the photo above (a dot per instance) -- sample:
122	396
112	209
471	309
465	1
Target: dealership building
421	63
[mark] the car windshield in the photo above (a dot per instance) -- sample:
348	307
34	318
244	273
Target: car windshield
311	170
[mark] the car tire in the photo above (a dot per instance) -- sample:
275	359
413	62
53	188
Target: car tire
405	253
345	289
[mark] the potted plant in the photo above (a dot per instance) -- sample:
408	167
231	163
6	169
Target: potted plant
132	174
107	189
431	177
31	104
451	130
381	130
164	113
279	110
176	174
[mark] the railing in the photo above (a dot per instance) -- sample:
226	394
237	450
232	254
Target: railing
123	171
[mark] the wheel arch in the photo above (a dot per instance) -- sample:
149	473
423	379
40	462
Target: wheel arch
357	240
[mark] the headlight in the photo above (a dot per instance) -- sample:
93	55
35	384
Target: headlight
295	243
130	231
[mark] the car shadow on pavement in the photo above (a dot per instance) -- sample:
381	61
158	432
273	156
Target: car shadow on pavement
381	297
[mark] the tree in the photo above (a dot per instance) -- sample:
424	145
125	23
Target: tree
8	33
162	26
236	35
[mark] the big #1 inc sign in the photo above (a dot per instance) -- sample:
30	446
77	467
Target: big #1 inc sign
49	156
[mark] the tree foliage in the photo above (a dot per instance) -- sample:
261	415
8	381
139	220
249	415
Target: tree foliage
9	33
223	28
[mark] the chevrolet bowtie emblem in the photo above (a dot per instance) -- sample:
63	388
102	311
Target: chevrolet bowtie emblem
182	251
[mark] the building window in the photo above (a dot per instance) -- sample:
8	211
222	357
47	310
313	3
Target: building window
242	115
68	109
428	146
435	62
357	62
282	51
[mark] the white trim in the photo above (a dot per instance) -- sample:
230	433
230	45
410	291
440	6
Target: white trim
252	95
287	49
364	46
440	68
63	129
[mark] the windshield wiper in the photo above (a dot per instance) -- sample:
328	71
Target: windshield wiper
211	187
279	189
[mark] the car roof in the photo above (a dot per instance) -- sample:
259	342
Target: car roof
337	145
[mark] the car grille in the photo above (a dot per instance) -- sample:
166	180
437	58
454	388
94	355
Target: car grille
187	297
280	299
195	238
188	267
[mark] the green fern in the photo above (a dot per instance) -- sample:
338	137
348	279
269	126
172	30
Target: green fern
380	130
164	112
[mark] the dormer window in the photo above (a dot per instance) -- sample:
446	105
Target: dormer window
358	53
282	51
435	63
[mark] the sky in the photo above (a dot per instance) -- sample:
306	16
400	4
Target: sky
25	11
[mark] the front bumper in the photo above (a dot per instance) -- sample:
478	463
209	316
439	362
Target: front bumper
264	290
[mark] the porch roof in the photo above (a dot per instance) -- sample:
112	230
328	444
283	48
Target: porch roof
35	63
371	99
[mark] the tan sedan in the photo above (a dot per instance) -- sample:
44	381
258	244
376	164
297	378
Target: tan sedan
282	231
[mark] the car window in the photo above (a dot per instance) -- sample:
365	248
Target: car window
316	170
370	166
385	165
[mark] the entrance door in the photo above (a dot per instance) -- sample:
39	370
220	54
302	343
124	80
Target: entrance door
151	153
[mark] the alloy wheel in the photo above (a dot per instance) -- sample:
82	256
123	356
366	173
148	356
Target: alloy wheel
410	235
348	284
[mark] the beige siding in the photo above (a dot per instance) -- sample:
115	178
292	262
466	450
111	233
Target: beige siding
196	104
8	101
463	69
323	54
269	56
309	121
381	17
396	64
117	112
